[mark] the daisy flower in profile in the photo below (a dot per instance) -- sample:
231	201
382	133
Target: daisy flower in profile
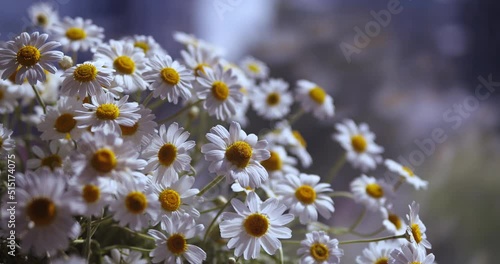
128	62
272	100
167	154
136	206
221	91
279	163
254	68
191	40
255	224
283	134
8	98
142	132
197	59
318	248
174	247
409	254
124	256
376	253
370	192
359	142
169	79
87	78
30	56
77	34
60	122
415	231
104	113
305	196
313	98
6	143
406	173
147	44
236	155
43	15
59	154
392	222
178	197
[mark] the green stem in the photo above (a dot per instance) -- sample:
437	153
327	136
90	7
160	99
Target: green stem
342	194
370	234
211	184
209	229
39	99
336	168
398	184
137	233
290	241
296	116
184	108
281	255
88	241
147	99
371	240
359	220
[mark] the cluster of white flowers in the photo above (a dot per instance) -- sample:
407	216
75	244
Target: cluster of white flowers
104	162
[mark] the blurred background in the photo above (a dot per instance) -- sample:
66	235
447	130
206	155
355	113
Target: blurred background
407	74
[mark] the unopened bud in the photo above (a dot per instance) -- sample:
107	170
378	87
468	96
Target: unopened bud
220	200
66	62
231	260
194	111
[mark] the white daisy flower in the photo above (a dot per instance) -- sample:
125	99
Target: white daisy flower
255	224
173	248
197	59
124	256
94	196
272	100
58	155
104	113
415	231
314	99
87	78
298	147
169	79
191	40
371	192
8	98
407	174
60	122
236	187
392	222
237	156
30	56
408	254
128	62
305	196
318	248
167	154
43	15
77	34
359	142
254	68
136	206
147	44
6	143
142	132
178	197
279	163
220	90
376	253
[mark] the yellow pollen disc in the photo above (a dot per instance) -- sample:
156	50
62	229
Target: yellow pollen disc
415	230
199	67
382	260
167	154
75	33
41	20
107	112
129	130
239	154
28	56
305	194
170	76
65	123
91	193
416	262
136	202
176	244
124	65
142	45
170	200
103	160
374	190
274	163
273	99
317	94
395	220
256	224
319	252
220	90
409	171
359	143
85	73
52	161
254	68
41	211
300	138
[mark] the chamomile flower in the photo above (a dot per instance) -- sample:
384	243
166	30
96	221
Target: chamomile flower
29	55
124	256
370	192
94	195
59	155
60	122
376	253
279	163
407	174
142	132
6	143
220	90
359	142
178	197
393	222
305	196
77	34
168	153
409	254
197	59
174	247
8	98
318	248
148	45
254	68
136	206
236	155
191	40
313	98
128	62
43	15
169	79
255	224
298	147
272	100
87	78
415	231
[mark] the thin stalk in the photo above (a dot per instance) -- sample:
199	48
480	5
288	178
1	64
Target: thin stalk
211	184
336	168
182	110
359	220
209	229
296	116
371	240
147	99
39	99
342	194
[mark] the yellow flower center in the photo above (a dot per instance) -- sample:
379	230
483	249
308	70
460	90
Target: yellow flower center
199	67
41	211
170	76
41	20
273	99
75	33
395	220
253	67
220	90
409	171
305	194
85	73
317	94
167	154
256	224
239	154
65	123
359	143
124	65
170	200
382	260
136	202
142	45
319	252
417	234
107	112
274	163
300	138
52	161
28	56
91	193
129	130
176	244
103	160
416	262
374	190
